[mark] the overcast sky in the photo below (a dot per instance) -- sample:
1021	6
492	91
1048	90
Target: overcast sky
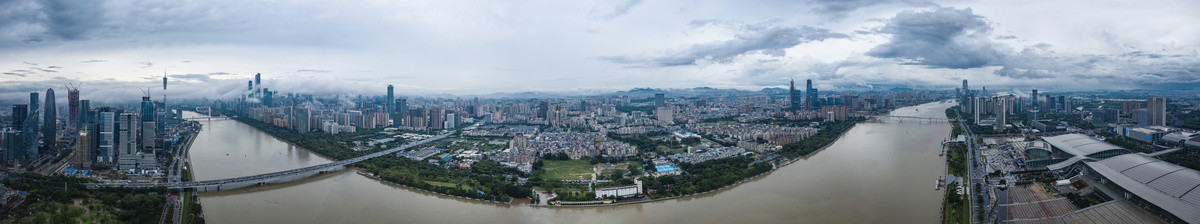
211	48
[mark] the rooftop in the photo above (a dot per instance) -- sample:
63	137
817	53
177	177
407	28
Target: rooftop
1079	144
1171	187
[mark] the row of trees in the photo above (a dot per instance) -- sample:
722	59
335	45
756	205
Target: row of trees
830	131
485	180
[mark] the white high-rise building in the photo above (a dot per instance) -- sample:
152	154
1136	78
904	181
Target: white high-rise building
666	115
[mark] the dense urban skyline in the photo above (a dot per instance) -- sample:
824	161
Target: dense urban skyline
458	48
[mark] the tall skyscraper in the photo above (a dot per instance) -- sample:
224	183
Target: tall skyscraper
660	100
105	121
15	140
258	84
1002	113
12	141
127	142
401	111
665	115
977	108
20	113
73	116
1158	110
148	124
543	109
808	95
1141	116
1033	99
32	127
50	123
303	119
83	148
84	107
963	102
436	118
389	105
793	96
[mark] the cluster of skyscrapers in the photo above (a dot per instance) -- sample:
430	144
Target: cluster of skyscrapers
104	137
33	130
977	104
807	100
332	115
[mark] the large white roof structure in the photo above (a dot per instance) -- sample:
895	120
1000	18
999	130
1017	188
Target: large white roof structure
1079	144
1173	188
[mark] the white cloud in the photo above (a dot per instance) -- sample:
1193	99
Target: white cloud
460	47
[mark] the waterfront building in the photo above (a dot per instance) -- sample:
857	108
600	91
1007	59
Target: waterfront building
834	112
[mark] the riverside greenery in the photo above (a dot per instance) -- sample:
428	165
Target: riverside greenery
489	180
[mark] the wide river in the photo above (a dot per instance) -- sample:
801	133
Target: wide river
876	173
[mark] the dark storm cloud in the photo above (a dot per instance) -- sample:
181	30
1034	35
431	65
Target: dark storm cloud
71	20
146	64
753	38
943	38
14	74
38	21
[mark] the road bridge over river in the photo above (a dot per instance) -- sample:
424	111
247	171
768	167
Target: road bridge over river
267	178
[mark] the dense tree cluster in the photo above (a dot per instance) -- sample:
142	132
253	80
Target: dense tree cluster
49	197
644	142
704	176
485	180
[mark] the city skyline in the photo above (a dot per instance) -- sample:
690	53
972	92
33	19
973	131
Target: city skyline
455	49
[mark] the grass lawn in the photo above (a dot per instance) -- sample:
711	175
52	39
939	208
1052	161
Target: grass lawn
444	184
955	208
567	169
